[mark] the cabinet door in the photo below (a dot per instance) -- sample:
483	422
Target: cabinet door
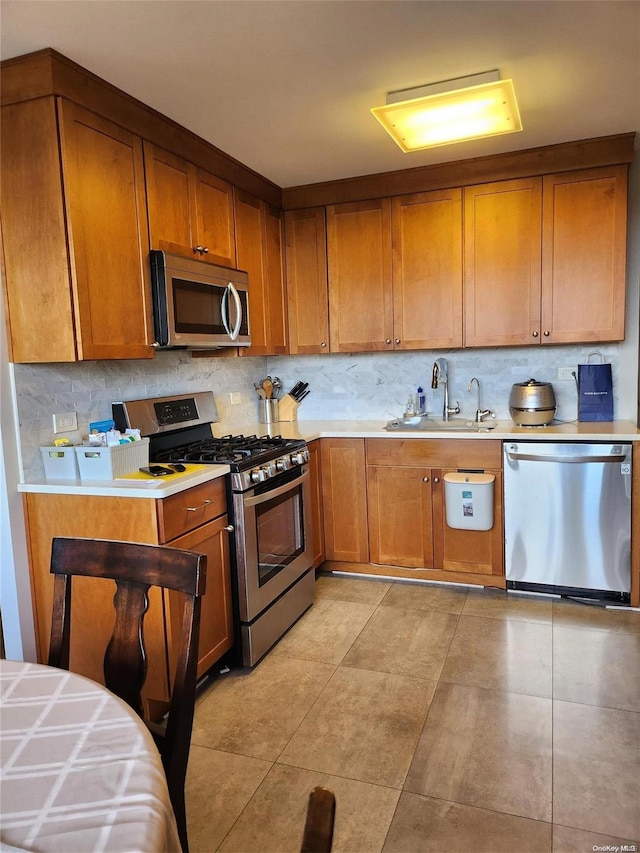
583	256
168	202
400	529
502	240
315	478
213	216
345	500
216	618
427	270
109	248
272	231
359	258
251	259
39	308
477	551
307	288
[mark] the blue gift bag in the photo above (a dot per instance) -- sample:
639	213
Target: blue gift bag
595	391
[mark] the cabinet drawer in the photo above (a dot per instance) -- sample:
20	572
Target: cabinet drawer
191	508
435	453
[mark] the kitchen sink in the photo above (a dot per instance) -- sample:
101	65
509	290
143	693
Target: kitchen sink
425	424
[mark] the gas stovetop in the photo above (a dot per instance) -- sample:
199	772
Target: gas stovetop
179	429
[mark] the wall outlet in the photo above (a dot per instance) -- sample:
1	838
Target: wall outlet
236	398
65	423
567	372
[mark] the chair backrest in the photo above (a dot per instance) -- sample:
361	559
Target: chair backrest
135	567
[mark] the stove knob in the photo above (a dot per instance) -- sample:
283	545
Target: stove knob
258	475
305	455
283	464
269	470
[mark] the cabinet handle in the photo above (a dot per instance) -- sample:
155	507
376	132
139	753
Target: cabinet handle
199	249
388	341
547	333
229	528
323	345
397	340
436	479
205	251
535	334
202	506
425	479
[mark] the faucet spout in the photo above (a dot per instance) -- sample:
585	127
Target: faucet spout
481	413
441	375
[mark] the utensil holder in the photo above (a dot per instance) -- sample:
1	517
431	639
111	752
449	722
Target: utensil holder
288	408
268	411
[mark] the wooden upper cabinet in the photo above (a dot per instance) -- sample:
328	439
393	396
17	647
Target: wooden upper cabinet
502	240
427	270
307	288
80	292
583	255
190	210
360	287
259	247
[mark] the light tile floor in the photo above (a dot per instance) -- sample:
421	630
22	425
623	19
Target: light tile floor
443	718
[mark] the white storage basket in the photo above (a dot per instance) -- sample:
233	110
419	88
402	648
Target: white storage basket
109	463
59	463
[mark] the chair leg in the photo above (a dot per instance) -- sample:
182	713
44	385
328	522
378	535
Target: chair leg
177	800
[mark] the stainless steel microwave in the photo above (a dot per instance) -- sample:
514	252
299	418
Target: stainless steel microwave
198	305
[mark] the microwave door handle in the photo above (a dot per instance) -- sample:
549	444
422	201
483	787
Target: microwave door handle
224	311
236	298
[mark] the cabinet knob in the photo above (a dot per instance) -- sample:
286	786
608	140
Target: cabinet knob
323	345
535	334
436	479
547	333
397	340
205	251
229	528
199	249
425	479
388	341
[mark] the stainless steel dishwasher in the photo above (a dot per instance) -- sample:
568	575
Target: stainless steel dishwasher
567	515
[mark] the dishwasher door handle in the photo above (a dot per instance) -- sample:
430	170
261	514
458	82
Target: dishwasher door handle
535	457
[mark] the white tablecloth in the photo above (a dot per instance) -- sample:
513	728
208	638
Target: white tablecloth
79	769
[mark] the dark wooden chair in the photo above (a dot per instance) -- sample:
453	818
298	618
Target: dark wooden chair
135	567
318	828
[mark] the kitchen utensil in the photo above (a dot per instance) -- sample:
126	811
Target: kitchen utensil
297	387
301	397
267	384
261	391
277	386
532	403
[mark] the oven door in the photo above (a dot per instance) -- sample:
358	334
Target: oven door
273	540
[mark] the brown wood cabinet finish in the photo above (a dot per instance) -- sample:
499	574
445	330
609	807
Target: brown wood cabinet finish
502	240
344	499
317	512
359	262
188	208
133	520
583	255
259	250
83	292
427	270
307	284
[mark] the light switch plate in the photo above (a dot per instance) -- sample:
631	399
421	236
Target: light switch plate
66	422
566	372
236	398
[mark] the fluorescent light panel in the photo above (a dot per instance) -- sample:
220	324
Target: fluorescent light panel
471	107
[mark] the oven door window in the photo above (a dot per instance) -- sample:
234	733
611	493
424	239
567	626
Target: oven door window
280	533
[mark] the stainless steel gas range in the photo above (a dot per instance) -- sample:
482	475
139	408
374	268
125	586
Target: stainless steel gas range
268	499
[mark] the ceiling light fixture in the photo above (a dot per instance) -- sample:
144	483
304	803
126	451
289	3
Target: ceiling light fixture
469	107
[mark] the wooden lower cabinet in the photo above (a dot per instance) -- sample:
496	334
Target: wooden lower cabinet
315	476
392	492
131	520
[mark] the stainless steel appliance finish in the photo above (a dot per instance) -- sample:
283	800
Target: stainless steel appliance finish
532	403
567	514
268	502
198	305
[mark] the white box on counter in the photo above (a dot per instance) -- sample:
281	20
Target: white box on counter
59	463
109	463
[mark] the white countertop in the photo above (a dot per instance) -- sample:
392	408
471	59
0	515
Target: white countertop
163	487
504	430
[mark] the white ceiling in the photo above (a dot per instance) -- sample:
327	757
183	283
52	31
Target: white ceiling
286	86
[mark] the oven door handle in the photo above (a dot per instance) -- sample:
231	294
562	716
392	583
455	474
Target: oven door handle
275	493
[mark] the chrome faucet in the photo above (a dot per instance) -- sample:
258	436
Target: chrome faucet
481	414
441	375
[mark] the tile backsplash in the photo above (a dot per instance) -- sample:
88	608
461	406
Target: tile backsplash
371	386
